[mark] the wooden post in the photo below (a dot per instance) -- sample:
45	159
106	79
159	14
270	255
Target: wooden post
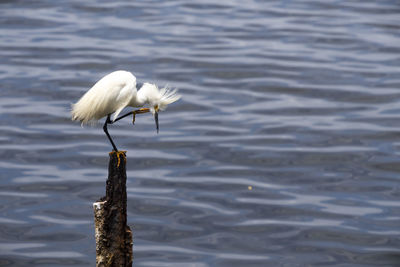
113	235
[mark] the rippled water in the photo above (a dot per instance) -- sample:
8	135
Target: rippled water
284	150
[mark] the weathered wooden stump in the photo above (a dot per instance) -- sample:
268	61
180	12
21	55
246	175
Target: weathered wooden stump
113	235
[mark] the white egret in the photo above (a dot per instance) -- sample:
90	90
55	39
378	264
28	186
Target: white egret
114	92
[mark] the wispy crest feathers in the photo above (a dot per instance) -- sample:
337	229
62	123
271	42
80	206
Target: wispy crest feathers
168	96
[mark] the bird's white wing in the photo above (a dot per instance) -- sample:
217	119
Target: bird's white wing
110	94
123	99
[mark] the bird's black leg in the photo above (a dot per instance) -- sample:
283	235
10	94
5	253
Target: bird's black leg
123	116
108	121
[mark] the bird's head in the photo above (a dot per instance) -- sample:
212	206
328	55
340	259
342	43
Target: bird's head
158	99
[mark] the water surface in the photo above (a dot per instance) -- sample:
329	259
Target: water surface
283	151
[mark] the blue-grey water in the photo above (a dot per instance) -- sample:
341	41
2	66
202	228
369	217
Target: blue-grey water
283	151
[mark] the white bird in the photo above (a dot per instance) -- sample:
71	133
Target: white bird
114	92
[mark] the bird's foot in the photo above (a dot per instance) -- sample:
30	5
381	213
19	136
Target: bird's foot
139	111
119	154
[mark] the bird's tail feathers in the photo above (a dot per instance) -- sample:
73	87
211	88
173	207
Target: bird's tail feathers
77	114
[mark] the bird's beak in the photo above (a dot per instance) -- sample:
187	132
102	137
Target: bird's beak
156	119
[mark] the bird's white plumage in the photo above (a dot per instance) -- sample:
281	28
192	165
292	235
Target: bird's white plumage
116	91
110	94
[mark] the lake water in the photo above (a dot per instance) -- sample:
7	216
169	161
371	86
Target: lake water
283	151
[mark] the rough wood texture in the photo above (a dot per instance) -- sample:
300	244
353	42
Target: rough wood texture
113	235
